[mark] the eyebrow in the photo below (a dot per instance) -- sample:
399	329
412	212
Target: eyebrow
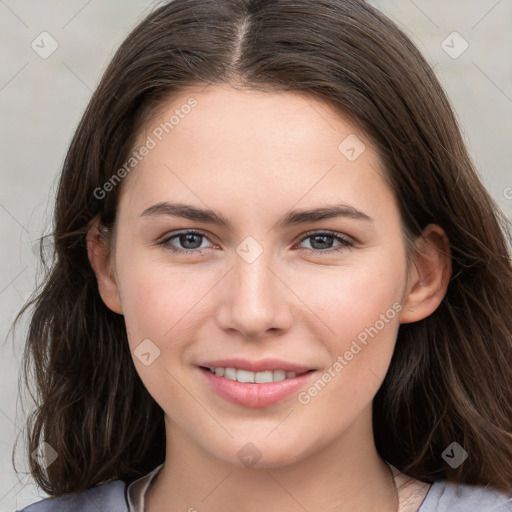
294	217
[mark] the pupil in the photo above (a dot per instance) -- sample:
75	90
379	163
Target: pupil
324	237
189	238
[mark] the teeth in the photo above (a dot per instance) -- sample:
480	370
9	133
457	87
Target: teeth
262	377
257	377
279	375
244	376
230	373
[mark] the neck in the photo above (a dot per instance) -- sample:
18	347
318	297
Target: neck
345	475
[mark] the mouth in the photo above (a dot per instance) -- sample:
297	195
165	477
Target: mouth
255	384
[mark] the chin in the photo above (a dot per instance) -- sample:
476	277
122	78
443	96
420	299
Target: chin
261	454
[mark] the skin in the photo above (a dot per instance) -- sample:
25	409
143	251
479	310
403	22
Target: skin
254	157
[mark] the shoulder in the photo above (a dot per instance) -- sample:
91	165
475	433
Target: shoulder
110	497
451	497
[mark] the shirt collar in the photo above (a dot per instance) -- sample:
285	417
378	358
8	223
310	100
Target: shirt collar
136	491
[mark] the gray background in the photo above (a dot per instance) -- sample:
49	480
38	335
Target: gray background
41	101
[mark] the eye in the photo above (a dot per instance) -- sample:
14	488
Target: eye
322	240
190	240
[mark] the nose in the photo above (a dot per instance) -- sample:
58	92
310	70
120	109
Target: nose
255	299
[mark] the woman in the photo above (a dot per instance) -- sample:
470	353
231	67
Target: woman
253	371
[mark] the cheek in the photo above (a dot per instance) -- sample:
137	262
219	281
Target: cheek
361	308
160	301
153	303
348	299
160	304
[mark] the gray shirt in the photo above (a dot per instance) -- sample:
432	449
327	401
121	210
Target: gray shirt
118	497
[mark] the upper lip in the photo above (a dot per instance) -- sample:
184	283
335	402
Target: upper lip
256	366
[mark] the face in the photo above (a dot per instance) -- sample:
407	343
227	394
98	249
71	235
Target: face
261	285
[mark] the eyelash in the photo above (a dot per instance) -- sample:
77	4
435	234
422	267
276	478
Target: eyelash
344	242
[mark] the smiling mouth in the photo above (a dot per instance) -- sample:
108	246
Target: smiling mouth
254	377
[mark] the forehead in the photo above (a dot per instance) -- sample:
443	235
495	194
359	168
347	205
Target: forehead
269	147
261	120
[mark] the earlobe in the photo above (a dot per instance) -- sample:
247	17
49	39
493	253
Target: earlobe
100	261
429	281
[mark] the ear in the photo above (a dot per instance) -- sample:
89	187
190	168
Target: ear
100	260
428	279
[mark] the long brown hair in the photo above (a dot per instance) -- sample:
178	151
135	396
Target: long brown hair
450	378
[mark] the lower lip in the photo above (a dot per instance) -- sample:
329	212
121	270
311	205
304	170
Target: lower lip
254	395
